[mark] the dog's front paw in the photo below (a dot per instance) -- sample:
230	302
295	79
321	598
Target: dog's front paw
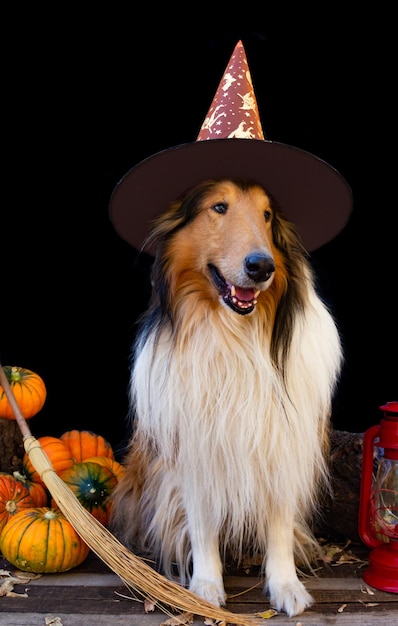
289	596
211	590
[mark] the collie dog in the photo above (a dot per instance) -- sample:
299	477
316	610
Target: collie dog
233	374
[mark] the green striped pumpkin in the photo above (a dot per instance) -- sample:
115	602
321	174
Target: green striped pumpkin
43	541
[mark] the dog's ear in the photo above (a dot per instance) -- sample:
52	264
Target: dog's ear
286	236
164	224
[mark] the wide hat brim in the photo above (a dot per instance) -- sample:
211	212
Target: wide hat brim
311	193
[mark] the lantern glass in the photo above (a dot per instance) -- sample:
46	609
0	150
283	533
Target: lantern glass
385	500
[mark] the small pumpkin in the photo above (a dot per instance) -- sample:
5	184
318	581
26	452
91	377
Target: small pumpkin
84	443
14	497
92	485
29	390
116	468
43	541
58	454
37	490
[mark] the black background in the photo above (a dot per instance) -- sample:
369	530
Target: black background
88	96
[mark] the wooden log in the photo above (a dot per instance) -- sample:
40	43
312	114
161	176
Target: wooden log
11	446
340	510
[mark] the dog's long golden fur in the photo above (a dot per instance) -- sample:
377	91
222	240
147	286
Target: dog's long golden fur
232	381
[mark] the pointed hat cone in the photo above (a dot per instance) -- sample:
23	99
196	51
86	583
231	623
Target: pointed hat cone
231	144
234	111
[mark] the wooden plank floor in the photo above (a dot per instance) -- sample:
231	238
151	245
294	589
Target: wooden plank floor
92	594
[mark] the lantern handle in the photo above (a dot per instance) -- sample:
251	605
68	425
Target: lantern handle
367	479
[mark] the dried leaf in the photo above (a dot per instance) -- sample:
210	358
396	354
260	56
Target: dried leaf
333	552
341	608
50	620
14	594
149	605
26	576
267	614
339	555
367	590
348	557
6	586
8	581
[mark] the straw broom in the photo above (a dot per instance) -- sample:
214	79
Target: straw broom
132	570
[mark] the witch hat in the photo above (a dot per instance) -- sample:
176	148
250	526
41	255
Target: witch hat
232	144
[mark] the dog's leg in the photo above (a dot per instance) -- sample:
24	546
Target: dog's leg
285	590
207	574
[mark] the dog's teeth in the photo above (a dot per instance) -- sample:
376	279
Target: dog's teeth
233	290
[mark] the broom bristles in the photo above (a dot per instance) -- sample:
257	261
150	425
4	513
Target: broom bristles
132	570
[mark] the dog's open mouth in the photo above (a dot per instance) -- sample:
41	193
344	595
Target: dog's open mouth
242	300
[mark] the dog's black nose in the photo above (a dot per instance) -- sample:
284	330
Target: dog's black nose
259	267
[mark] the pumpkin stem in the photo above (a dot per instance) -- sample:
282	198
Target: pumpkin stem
10	506
19	476
15	375
51	514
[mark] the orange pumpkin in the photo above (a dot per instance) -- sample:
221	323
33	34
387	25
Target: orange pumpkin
43	541
58	454
14	497
92	485
84	443
37	490
29	390
116	468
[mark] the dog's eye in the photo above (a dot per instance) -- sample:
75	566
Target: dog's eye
268	216
220	208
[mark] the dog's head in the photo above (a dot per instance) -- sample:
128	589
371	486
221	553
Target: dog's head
226	239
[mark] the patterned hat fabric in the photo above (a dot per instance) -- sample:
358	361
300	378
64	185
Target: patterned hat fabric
234	111
231	144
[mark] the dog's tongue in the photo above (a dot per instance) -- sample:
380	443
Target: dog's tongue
245	295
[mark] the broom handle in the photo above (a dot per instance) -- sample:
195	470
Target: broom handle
21	421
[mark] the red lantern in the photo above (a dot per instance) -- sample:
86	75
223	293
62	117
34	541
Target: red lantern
378	507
